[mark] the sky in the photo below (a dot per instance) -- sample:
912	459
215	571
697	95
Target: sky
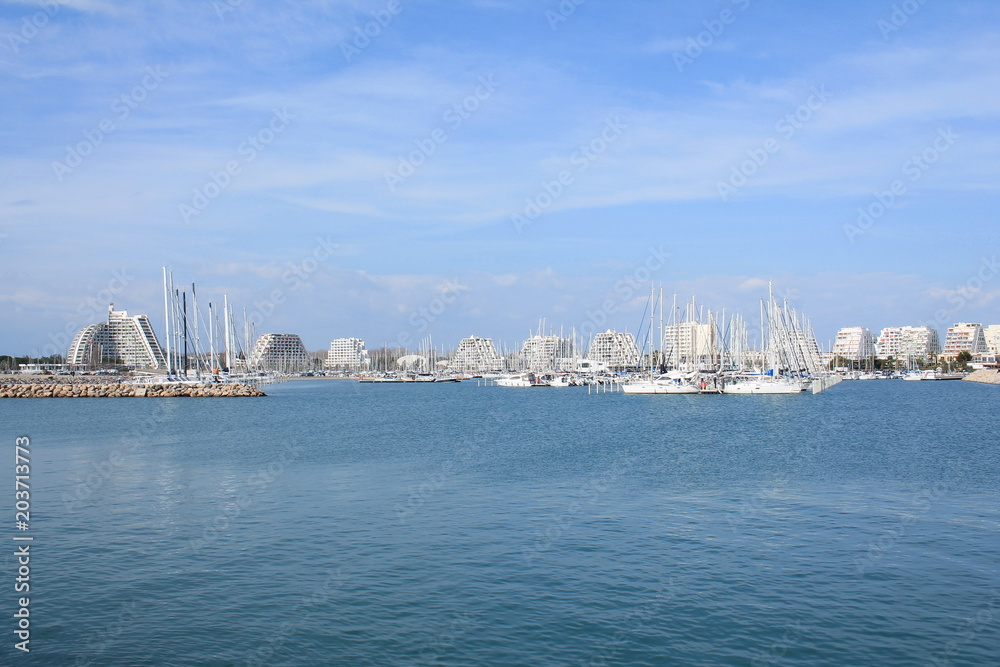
398	169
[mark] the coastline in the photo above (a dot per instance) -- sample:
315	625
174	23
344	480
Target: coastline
121	390
984	376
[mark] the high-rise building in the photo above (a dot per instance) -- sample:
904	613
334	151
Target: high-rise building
279	352
991	336
542	353
854	343
476	355
796	349
617	351
125	340
908	343
689	344
347	354
964	337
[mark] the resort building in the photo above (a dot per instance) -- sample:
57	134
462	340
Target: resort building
795	349
279	352
689	345
908	343
854	343
122	340
614	350
347	354
476	355
544	353
991	336
964	337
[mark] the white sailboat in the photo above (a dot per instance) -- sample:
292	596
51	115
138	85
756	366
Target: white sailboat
672	382
779	351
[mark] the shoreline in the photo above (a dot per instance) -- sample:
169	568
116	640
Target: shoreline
121	390
984	376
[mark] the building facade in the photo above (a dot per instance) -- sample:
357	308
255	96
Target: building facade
689	345
854	344
476	355
991	336
347	354
908	343
280	352
124	340
617	351
543	353
964	337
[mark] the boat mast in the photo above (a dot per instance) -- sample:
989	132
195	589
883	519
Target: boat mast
226	334
197	351
184	320
211	339
166	318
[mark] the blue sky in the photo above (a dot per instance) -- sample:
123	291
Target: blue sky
472	167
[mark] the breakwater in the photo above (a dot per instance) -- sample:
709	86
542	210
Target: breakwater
985	376
122	390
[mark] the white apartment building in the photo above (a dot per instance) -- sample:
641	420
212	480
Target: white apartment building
991	336
542	353
908	342
689	344
279	352
854	343
476	355
964	337
347	354
129	341
615	350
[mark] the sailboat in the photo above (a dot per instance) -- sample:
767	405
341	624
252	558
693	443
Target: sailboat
672	382
779	349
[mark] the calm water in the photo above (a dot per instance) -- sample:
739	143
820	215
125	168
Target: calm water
347	524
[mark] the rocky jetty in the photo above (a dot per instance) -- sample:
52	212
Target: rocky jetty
121	390
986	376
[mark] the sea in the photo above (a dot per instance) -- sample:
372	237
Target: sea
339	523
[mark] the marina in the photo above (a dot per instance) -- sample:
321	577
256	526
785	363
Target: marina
496	526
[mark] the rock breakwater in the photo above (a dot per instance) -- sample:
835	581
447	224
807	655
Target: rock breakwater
121	390
985	376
